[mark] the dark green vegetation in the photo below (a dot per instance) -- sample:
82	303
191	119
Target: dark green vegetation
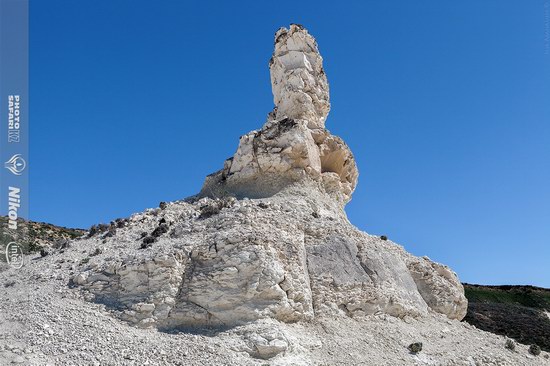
519	312
37	235
530	296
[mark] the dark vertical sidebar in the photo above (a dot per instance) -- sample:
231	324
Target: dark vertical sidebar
14	130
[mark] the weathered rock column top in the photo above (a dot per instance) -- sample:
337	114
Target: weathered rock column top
293	145
298	80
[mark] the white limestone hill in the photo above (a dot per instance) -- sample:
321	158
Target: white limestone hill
261	267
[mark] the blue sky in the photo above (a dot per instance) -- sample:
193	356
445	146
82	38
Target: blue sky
446	106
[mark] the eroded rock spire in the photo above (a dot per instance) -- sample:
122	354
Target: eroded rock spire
300	86
292	257
293	145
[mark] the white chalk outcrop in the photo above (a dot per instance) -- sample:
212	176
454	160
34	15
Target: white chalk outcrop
293	145
267	237
262	267
298	80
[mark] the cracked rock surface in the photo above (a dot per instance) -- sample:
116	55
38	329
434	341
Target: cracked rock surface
43	321
289	260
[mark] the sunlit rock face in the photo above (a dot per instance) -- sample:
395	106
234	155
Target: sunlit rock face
298	80
293	145
267	236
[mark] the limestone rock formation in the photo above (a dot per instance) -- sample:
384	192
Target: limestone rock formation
298	80
267	237
293	144
262	267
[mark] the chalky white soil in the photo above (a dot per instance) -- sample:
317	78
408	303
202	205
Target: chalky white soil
43	322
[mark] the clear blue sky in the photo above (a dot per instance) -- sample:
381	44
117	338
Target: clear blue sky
446	106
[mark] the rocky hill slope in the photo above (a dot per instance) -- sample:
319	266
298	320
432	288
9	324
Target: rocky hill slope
37	235
519	312
261	267
294	257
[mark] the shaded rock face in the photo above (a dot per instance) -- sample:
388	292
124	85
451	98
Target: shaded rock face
287	251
